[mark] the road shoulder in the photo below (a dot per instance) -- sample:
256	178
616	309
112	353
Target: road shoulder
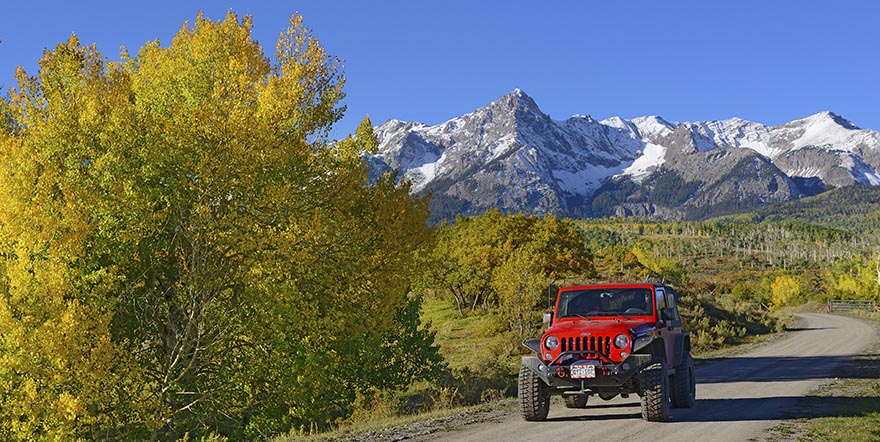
845	408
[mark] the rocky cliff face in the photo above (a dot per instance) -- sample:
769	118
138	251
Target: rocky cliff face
511	156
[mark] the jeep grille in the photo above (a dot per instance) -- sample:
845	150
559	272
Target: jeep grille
601	344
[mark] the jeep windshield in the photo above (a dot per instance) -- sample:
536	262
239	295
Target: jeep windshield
605	302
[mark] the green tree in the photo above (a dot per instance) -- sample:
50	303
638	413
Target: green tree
666	269
505	263
520	281
461	261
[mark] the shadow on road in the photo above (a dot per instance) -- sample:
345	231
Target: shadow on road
595	417
735	410
775	408
600	404
780	369
795	329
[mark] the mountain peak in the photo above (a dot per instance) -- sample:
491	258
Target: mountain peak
518	105
830	117
519	97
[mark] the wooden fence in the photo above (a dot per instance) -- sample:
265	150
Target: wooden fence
848	305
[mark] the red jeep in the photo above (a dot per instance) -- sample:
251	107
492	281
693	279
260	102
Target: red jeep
609	340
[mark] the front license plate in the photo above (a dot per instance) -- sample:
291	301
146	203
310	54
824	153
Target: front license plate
583	371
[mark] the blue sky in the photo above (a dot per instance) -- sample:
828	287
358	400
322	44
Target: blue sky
765	61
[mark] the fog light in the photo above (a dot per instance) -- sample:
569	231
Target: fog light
624	354
625	367
548	356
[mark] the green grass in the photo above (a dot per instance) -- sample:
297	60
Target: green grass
471	341
864	425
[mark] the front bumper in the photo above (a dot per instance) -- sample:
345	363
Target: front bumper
610	375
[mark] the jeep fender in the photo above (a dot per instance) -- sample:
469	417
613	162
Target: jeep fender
533	344
656	348
682	346
537	366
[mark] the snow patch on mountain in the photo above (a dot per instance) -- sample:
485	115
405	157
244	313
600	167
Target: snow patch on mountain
582	182
502	147
652	158
421	176
803	172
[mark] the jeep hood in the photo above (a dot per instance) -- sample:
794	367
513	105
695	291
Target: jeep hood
615	324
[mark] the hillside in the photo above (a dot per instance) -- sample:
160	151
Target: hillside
854	208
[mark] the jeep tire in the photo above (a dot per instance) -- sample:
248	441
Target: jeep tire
655	393
576	401
534	397
684	385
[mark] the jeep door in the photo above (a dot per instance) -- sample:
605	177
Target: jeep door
668	313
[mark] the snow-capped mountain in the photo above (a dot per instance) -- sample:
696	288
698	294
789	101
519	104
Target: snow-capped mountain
510	155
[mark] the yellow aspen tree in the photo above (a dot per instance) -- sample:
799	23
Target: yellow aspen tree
784	290
185	252
59	368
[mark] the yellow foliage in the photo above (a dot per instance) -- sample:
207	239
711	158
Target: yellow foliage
181	248
848	285
784	290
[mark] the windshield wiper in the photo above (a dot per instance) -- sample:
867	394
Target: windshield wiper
587	315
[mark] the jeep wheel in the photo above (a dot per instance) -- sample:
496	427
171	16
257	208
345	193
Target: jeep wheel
576	401
655	393
684	385
534	398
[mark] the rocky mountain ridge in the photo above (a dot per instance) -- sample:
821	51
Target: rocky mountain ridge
511	156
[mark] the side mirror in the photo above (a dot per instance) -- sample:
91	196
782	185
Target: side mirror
548	317
666	315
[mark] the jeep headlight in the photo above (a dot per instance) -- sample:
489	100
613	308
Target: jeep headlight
621	341
551	342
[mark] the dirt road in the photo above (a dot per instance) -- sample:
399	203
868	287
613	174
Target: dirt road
738	398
